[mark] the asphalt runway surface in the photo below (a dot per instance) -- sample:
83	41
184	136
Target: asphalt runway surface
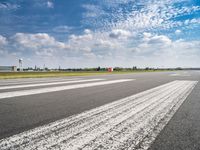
156	111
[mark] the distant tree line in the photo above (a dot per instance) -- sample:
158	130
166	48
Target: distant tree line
134	68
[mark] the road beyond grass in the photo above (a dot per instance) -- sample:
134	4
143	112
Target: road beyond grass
13	75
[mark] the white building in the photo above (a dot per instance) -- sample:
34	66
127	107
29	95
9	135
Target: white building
8	68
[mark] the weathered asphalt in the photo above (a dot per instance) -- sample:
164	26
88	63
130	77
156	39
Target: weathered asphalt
183	130
19	114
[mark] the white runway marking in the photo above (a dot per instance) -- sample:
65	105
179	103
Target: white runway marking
175	74
46	84
58	88
129	123
32	81
181	74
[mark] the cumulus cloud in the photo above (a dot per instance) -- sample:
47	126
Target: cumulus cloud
3	40
90	44
3	43
40	43
122	29
163	46
152	44
128	19
87	44
157	49
36	40
119	33
160	40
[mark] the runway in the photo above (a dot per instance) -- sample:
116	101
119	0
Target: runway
129	111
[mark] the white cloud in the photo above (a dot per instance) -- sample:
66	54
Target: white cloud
128	33
163	47
40	43
124	27
138	16
178	32
93	11
152	44
45	52
3	44
8	6
3	40
159	40
81	38
62	29
50	4
147	50
36	40
119	33
87	31
90	44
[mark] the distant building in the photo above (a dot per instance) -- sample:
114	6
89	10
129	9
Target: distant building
110	69
8	68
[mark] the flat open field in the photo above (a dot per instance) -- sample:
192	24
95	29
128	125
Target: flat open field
11	75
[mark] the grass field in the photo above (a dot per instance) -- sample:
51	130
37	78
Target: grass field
12	75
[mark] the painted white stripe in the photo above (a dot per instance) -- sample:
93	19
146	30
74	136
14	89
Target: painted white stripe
57	88
175	74
129	123
181	74
35	81
46	84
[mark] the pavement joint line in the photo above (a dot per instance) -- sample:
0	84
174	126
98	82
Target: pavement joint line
46	84
59	88
123	127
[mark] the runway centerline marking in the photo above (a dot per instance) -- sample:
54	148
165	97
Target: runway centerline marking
129	123
46	84
58	88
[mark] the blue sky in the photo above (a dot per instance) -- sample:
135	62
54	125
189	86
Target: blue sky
90	33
